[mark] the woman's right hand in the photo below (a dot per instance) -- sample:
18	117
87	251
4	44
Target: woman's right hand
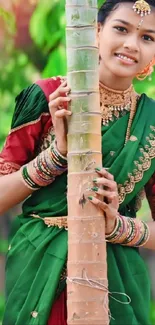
58	106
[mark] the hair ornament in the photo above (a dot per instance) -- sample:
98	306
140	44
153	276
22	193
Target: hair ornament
142	8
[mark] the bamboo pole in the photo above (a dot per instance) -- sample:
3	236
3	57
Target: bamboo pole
87	267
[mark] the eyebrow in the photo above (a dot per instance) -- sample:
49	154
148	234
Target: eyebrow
128	24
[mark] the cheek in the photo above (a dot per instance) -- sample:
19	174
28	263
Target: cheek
106	48
147	54
105	41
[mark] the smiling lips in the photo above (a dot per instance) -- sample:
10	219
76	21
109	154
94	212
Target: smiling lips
126	58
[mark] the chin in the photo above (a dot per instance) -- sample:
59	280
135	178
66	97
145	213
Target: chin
123	73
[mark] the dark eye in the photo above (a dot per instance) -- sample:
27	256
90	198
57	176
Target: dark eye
148	38
121	29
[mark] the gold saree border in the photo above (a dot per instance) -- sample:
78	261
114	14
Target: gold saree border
28	123
141	165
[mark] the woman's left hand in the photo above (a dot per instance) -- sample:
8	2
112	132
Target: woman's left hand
106	197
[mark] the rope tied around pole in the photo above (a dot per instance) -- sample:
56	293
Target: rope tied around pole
91	283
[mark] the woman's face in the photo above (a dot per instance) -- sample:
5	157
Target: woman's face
125	49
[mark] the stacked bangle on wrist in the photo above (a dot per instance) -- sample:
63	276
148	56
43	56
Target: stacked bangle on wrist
129	232
44	168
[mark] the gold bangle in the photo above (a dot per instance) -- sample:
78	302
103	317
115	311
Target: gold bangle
115	228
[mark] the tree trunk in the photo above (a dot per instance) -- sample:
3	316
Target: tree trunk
87	268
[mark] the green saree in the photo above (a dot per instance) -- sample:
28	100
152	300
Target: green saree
37	254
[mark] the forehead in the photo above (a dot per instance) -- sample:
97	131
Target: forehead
125	11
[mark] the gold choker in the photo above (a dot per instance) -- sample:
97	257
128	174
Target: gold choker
115	103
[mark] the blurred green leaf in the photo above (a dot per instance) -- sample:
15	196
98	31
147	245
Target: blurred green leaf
9	20
153	312
57	63
2	304
100	2
147	86
3	246
50	30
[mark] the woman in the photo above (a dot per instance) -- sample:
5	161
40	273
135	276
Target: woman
35	279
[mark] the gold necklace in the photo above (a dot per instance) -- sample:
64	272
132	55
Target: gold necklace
114	103
134	99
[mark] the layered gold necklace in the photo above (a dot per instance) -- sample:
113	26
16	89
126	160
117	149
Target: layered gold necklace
115	103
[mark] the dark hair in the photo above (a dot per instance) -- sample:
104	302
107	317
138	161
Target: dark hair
111	5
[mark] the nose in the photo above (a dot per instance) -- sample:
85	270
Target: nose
131	44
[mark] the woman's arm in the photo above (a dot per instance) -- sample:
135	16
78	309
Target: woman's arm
41	171
120	229
20	145
38	173
12	191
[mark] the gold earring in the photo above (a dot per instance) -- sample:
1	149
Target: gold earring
147	71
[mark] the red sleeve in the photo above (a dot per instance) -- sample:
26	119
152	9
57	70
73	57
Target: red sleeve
23	140
49	85
150	194
21	144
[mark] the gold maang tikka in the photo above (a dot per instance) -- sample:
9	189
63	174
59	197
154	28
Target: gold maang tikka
142	8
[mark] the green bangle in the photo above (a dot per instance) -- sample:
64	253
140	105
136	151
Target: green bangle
27	179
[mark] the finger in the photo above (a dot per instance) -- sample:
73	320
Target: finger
63	82
111	195
104	172
115	201
100	204
65	90
62	113
59	91
58	102
106	182
63	79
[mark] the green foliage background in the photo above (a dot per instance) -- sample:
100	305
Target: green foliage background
18	68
